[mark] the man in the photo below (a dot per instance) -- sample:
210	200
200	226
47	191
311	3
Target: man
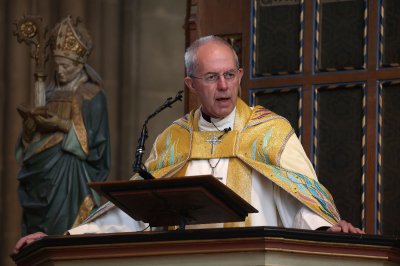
73	146
259	158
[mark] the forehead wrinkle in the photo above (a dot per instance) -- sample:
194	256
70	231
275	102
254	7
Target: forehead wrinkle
212	55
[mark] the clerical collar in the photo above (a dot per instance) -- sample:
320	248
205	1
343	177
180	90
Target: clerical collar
226	122
209	118
205	116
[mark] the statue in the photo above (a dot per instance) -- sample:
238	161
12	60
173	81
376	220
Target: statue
64	144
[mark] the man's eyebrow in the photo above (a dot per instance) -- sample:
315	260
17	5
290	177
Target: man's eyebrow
208	73
215	73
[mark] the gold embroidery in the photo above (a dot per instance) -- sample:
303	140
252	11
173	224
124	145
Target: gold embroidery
239	174
85	91
201	148
270	172
239	180
243	113
77	121
71	44
263	142
84	211
173	147
196	119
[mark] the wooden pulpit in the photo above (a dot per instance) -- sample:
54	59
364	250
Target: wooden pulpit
202	199
249	246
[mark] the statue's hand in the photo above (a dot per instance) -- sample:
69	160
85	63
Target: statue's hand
54	122
29	128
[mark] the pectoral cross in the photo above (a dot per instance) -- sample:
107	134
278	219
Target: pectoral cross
213	141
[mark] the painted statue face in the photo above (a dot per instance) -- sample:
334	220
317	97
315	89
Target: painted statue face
66	71
219	99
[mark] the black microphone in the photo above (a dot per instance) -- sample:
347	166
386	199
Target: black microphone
226	130
138	166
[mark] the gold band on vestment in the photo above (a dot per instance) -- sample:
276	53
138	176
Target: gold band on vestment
202	145
85	91
239	180
84	211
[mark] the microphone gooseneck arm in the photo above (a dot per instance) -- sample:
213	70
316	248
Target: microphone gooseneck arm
138	166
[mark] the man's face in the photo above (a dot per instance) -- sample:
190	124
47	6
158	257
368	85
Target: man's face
66	71
219	99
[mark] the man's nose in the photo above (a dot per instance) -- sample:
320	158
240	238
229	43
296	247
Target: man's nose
222	84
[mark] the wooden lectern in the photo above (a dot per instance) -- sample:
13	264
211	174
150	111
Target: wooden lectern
176	200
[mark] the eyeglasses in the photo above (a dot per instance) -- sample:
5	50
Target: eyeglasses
212	78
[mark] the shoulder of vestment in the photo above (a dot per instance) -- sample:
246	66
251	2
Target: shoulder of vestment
171	148
88	90
262	116
265	136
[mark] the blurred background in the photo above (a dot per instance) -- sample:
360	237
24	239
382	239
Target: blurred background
139	53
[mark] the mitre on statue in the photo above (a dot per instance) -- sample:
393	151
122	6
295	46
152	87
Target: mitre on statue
65	42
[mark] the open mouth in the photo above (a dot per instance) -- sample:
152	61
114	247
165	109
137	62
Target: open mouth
223	100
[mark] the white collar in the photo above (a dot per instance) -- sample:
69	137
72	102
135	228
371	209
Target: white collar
82	77
220	123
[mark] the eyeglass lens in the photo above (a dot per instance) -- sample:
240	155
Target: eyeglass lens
212	78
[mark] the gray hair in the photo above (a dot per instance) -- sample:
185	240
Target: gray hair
190	55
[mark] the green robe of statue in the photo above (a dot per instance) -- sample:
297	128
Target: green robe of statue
54	171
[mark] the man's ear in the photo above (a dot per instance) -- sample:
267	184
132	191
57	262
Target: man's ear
240	75
189	83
